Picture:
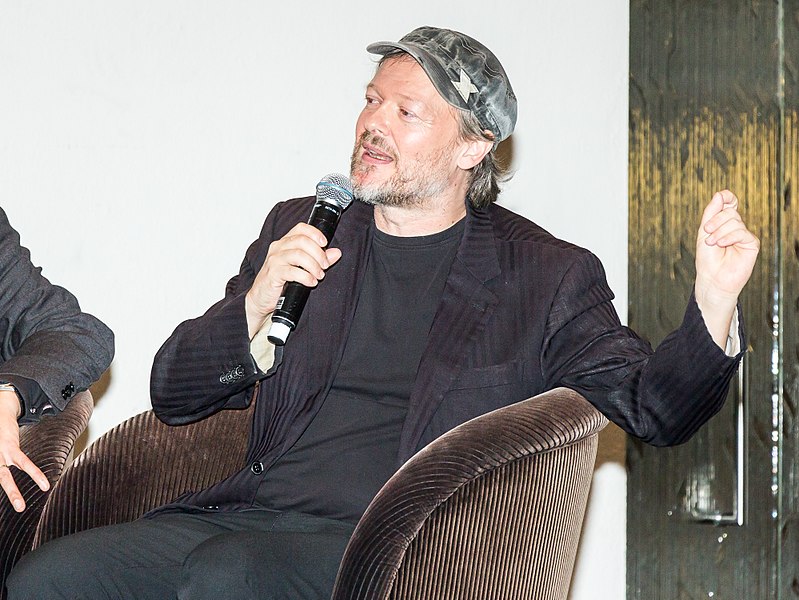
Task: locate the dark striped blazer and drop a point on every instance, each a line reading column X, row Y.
column 522, row 312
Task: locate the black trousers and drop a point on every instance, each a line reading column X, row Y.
column 255, row 553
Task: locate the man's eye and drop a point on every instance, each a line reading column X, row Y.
column 407, row 114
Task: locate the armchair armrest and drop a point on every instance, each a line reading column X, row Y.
column 140, row 464
column 48, row 444
column 491, row 509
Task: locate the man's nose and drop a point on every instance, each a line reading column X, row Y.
column 378, row 122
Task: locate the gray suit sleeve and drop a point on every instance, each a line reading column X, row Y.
column 49, row 349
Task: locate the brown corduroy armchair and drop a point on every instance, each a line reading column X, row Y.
column 48, row 444
column 491, row 509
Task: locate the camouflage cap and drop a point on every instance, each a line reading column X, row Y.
column 465, row 73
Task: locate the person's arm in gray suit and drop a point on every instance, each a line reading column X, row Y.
column 49, row 350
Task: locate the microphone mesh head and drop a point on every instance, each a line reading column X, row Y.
column 335, row 188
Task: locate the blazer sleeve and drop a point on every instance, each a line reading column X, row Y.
column 662, row 397
column 206, row 364
column 50, row 349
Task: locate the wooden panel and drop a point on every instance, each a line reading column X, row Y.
column 704, row 115
column 789, row 574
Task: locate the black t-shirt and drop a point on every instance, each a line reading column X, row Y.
column 350, row 448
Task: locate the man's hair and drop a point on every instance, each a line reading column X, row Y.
column 489, row 173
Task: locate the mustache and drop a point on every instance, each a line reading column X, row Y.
column 376, row 142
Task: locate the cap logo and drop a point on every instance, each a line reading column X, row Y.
column 465, row 86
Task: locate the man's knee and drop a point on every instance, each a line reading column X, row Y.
column 105, row 562
column 223, row 567
column 270, row 566
column 47, row 572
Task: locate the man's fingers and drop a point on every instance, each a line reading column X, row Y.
column 730, row 200
column 723, row 229
column 10, row 488
column 727, row 228
column 739, row 236
column 314, row 260
column 309, row 231
column 720, row 202
column 299, row 251
column 333, row 254
column 27, row 465
column 711, row 210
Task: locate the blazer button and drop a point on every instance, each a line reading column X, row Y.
column 68, row 391
column 257, row 467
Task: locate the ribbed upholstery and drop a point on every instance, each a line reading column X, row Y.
column 141, row 464
column 492, row 509
column 48, row 444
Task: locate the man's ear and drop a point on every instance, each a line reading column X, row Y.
column 474, row 152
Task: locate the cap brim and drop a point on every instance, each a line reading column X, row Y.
column 435, row 71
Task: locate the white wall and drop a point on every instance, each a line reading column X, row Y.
column 143, row 141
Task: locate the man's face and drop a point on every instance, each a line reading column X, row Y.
column 407, row 144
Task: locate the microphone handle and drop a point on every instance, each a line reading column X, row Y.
column 324, row 217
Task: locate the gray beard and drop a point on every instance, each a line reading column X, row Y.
column 391, row 194
column 405, row 190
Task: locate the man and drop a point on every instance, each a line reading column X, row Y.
column 433, row 306
column 49, row 350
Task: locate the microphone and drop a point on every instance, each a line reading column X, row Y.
column 333, row 195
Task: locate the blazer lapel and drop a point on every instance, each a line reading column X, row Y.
column 465, row 307
column 329, row 320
